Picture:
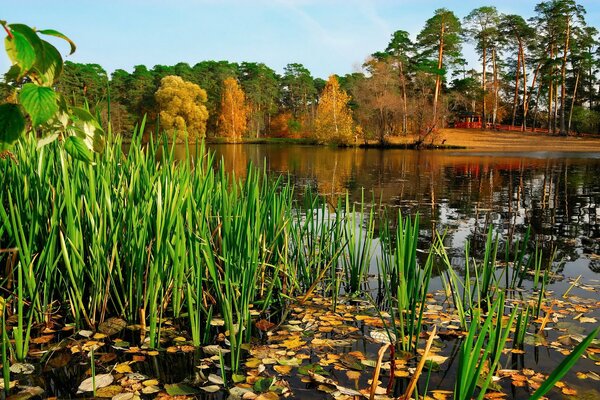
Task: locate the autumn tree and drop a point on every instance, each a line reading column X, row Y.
column 333, row 122
column 182, row 106
column 440, row 38
column 234, row 111
column 379, row 98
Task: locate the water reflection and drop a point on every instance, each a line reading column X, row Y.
column 557, row 194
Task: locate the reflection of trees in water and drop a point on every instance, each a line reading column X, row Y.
column 463, row 193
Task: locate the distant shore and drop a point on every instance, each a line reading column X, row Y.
column 504, row 141
column 455, row 139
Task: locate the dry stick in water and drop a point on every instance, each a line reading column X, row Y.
column 413, row 381
column 547, row 317
column 382, row 351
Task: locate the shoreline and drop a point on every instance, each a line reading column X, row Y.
column 467, row 140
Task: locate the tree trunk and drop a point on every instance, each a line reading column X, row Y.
column 524, row 65
column 404, row 107
column 563, row 85
column 517, row 81
column 550, row 93
column 527, row 102
column 495, row 109
column 438, row 79
column 483, row 85
column 573, row 100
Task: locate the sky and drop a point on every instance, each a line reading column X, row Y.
column 327, row 36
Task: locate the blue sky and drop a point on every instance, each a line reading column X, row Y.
column 327, row 36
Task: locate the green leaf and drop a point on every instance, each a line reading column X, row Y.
column 88, row 127
column 52, row 32
column 29, row 34
column 40, row 102
column 179, row 389
column 77, row 148
column 46, row 140
column 262, row 384
column 20, row 51
column 48, row 66
column 12, row 123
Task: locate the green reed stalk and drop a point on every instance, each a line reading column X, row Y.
column 5, row 350
column 480, row 345
column 358, row 252
column 405, row 284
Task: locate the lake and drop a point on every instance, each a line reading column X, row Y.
column 460, row 192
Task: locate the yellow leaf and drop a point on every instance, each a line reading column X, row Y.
column 294, row 343
column 282, row 369
column 123, row 368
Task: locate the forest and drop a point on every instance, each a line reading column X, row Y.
column 539, row 72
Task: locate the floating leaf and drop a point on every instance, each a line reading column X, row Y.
column 282, row 369
column 264, row 325
column 214, row 349
column 109, row 391
column 180, row 389
column 216, row 379
column 126, row 396
column 123, row 368
column 27, row 393
column 263, row 384
column 112, row 326
column 101, row 381
column 211, row 388
column 22, row 368
column 293, row 343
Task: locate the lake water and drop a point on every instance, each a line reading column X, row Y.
column 557, row 195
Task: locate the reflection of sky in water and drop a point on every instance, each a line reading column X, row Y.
column 556, row 193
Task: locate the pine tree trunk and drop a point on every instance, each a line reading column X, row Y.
column 517, row 81
column 563, row 86
column 404, row 106
column 495, row 109
column 483, row 85
column 524, row 66
column 438, row 80
column 573, row 100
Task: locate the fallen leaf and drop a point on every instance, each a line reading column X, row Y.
column 109, row 391
column 22, row 368
column 282, row 369
column 101, row 381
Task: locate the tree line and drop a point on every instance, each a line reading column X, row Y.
column 539, row 72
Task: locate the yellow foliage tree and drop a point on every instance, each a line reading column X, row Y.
column 334, row 119
column 181, row 106
column 234, row 111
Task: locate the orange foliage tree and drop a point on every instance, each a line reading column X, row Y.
column 181, row 106
column 234, row 111
column 334, row 119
